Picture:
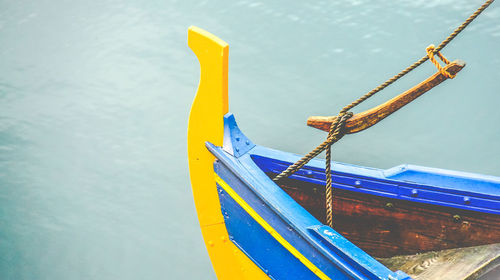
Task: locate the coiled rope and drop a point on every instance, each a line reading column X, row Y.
column 336, row 131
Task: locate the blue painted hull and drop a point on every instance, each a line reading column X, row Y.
column 287, row 242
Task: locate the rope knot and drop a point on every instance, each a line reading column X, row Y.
column 431, row 50
column 337, row 128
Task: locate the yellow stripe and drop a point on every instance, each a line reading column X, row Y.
column 270, row 229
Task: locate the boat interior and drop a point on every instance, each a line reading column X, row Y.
column 416, row 219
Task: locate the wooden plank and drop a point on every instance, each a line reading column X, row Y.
column 453, row 264
column 364, row 120
column 385, row 227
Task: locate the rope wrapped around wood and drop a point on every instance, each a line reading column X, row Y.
column 430, row 53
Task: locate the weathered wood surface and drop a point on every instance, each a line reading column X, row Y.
column 385, row 227
column 453, row 264
column 364, row 120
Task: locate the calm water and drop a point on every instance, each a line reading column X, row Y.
column 95, row 95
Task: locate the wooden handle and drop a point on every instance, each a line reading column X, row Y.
column 364, row 120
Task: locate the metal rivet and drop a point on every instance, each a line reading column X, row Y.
column 414, row 193
column 309, row 172
column 211, row 243
column 389, row 205
column 247, row 142
column 466, row 200
column 237, row 138
column 456, row 218
column 237, row 149
column 357, row 183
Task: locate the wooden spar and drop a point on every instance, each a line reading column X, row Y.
column 364, row 120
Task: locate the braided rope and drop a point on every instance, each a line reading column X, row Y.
column 430, row 53
column 422, row 60
column 336, row 129
column 334, row 137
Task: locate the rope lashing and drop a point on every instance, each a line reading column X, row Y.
column 331, row 139
column 334, row 130
column 335, row 133
column 430, row 53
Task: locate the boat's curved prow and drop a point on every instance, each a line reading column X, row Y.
column 206, row 123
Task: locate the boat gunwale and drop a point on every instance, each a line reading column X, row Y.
column 300, row 219
column 377, row 175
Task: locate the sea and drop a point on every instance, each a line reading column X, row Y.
column 95, row 98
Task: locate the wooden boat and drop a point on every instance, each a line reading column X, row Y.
column 431, row 223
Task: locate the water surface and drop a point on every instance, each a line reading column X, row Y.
column 95, row 95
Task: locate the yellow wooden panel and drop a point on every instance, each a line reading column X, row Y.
column 206, row 124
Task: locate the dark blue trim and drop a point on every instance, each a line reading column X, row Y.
column 464, row 197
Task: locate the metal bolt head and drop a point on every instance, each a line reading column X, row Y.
column 414, row 193
column 466, row 200
column 456, row 218
column 389, row 206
